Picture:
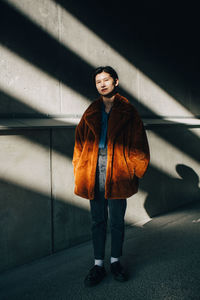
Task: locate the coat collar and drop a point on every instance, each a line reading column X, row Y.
column 121, row 112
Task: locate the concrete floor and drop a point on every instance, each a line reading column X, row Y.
column 162, row 258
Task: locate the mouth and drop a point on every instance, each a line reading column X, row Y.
column 104, row 90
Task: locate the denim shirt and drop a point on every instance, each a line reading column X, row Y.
column 104, row 127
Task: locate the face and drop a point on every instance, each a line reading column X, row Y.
column 105, row 84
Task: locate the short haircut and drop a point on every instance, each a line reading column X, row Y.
column 106, row 69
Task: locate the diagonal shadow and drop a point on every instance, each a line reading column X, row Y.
column 51, row 219
column 155, row 38
column 182, row 143
column 171, row 192
column 177, row 134
column 61, row 63
column 11, row 107
column 53, row 57
column 29, row 218
column 31, row 42
column 58, row 217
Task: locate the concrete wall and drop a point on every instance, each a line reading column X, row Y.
column 47, row 54
column 25, row 206
column 39, row 214
column 50, row 48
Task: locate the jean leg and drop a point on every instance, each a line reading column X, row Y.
column 99, row 216
column 117, row 209
column 99, row 210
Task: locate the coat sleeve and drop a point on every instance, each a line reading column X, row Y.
column 138, row 147
column 79, row 143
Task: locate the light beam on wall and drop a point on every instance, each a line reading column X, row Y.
column 87, row 45
column 17, row 76
column 169, row 156
column 36, row 89
column 29, row 167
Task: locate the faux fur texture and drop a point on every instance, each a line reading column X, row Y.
column 127, row 150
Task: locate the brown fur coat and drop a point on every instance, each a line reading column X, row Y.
column 127, row 150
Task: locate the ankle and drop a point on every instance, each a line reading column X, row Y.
column 114, row 259
column 98, row 262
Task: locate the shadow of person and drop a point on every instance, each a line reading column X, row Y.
column 166, row 193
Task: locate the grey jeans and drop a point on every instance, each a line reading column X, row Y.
column 99, row 213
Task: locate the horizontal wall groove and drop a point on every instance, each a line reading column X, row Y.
column 70, row 122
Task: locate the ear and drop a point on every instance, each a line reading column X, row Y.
column 116, row 82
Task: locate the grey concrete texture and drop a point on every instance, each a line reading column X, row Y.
column 39, row 212
column 173, row 176
column 71, row 218
column 25, row 209
column 157, row 70
column 161, row 257
column 47, row 54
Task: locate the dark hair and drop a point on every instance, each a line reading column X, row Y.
column 106, row 69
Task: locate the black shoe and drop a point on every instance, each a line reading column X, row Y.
column 95, row 276
column 118, row 272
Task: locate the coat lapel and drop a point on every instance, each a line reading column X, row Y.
column 93, row 117
column 119, row 116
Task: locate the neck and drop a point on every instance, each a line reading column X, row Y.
column 109, row 99
column 108, row 103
